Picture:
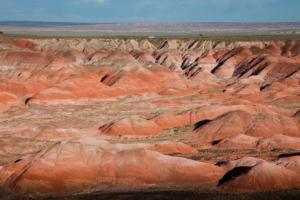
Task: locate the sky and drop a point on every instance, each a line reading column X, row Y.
column 107, row 11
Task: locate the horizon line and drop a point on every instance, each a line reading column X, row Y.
column 192, row 22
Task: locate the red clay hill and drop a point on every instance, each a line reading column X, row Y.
column 84, row 115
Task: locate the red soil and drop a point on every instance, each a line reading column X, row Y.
column 84, row 114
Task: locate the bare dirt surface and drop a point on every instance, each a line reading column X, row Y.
column 82, row 117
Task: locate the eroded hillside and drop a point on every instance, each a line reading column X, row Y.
column 79, row 115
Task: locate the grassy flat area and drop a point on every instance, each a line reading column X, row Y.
column 230, row 37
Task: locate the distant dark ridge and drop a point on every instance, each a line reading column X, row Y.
column 40, row 24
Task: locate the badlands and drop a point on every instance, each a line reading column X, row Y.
column 85, row 115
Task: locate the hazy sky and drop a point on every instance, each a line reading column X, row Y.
column 150, row 10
